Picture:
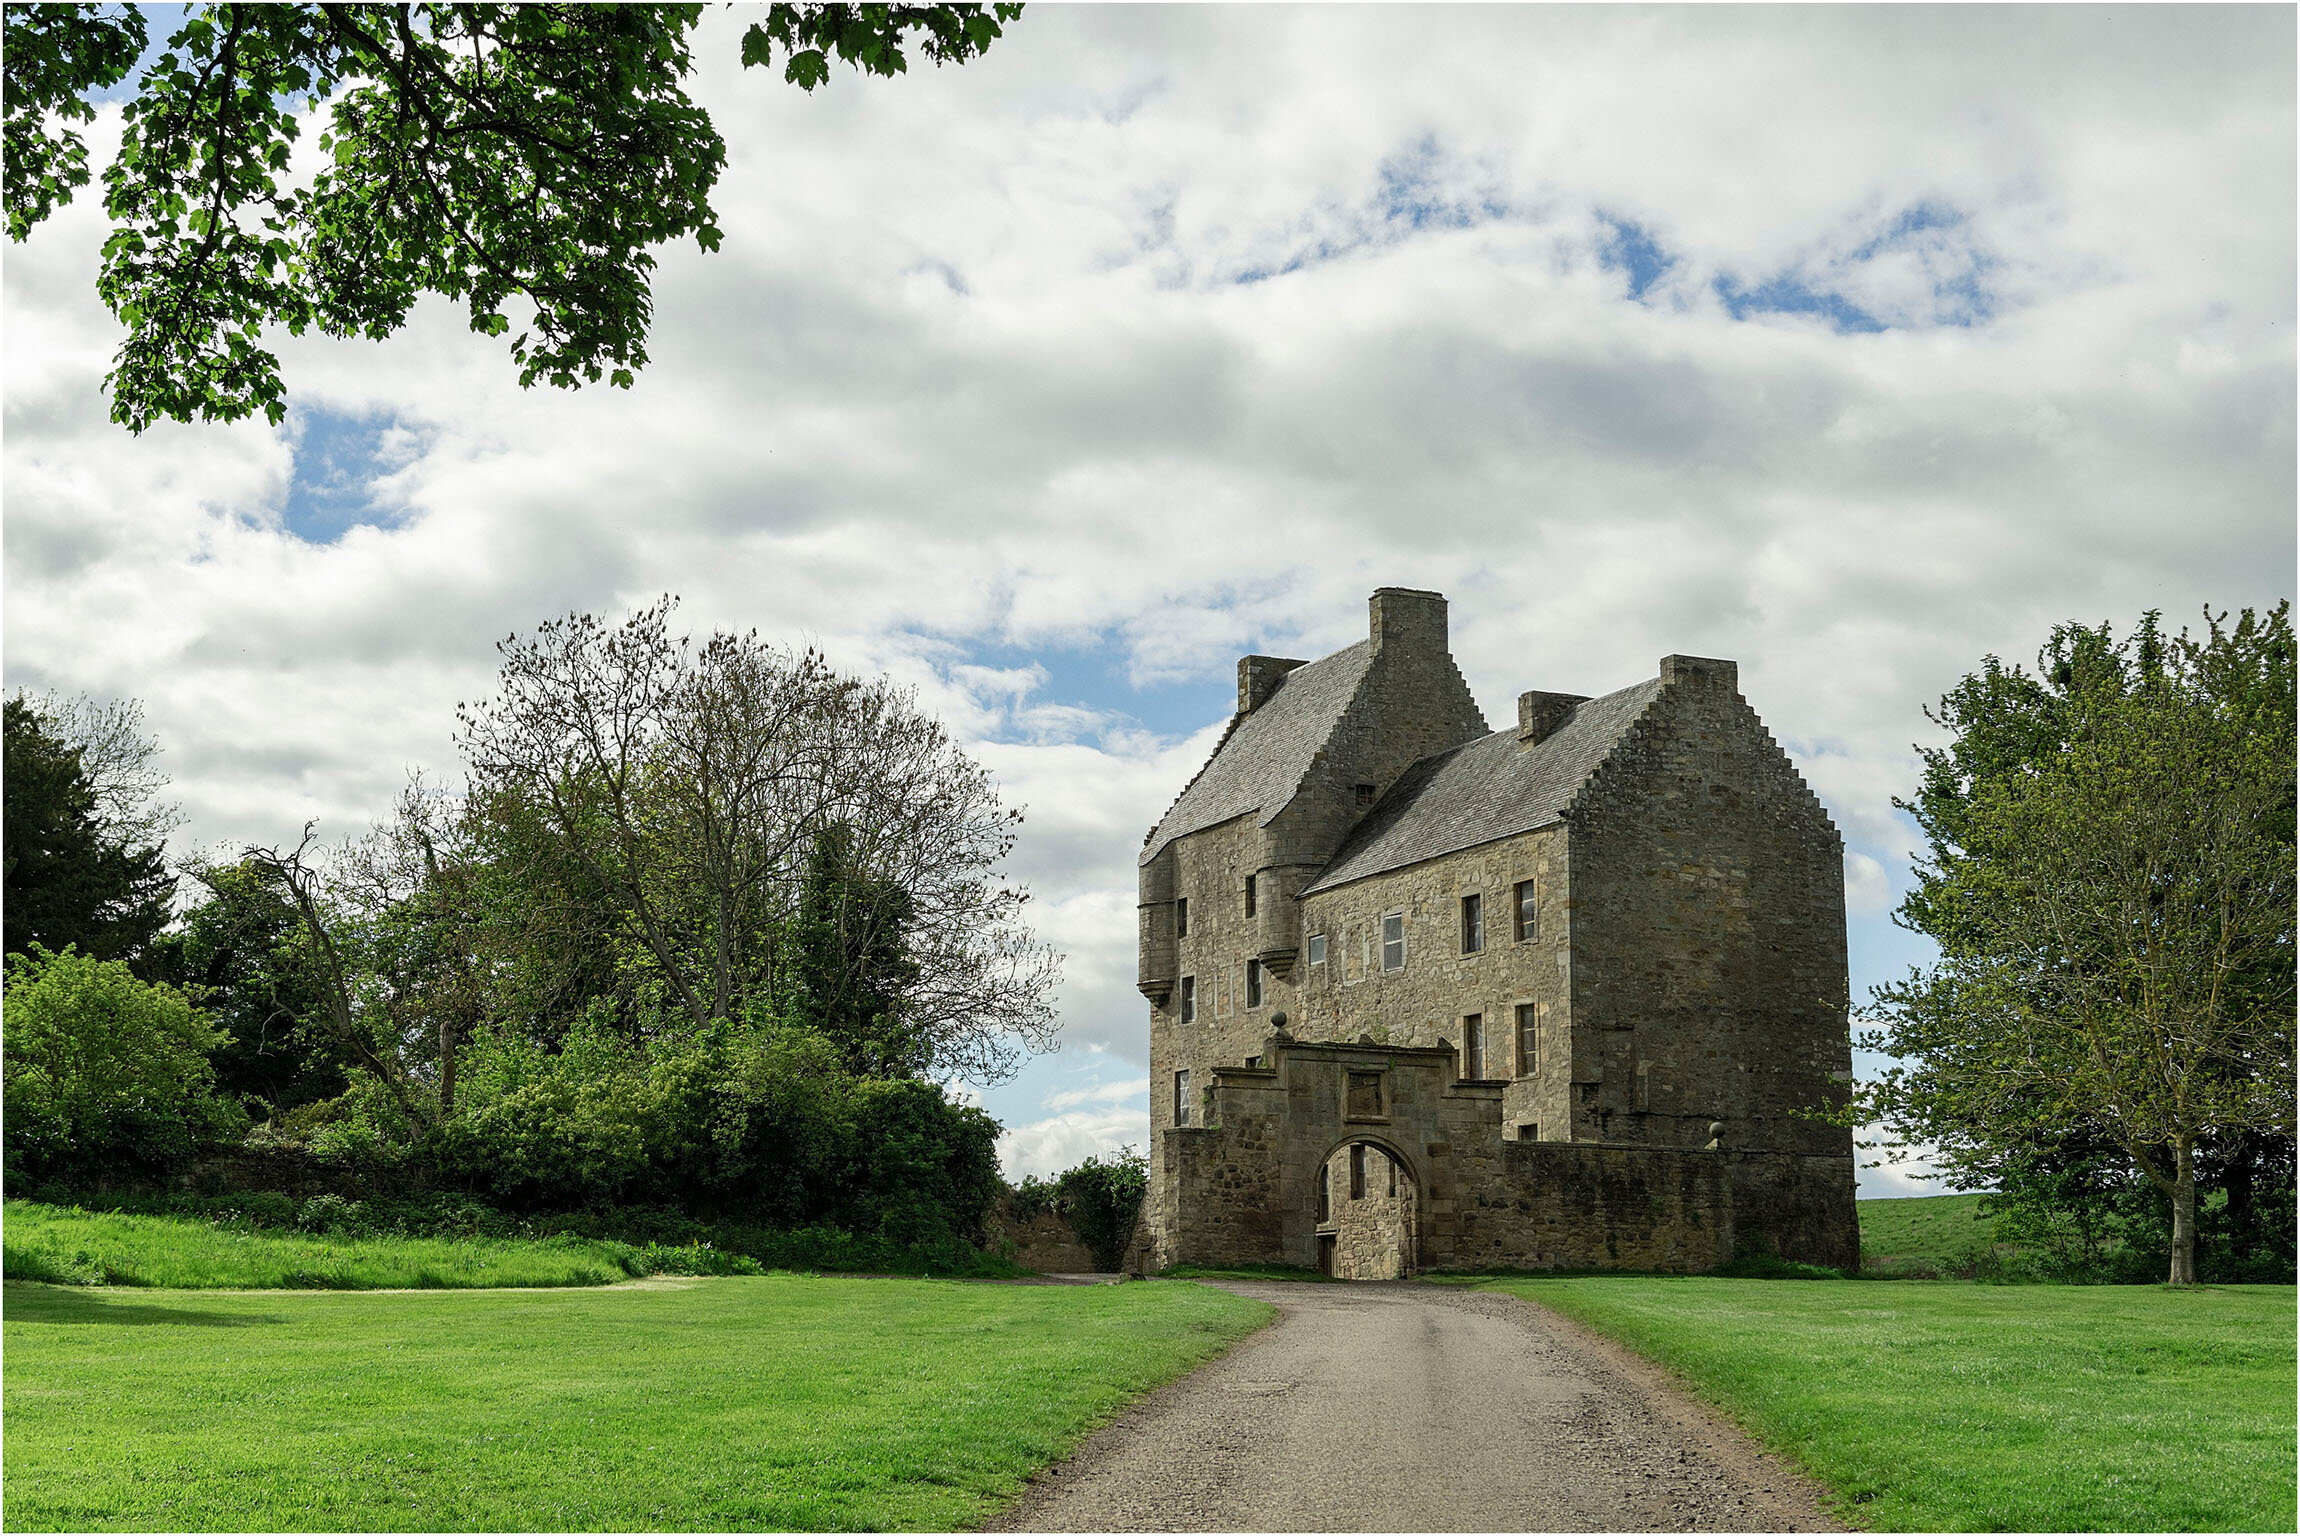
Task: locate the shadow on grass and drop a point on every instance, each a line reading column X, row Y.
column 29, row 1301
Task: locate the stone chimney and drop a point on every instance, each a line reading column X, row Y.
column 1701, row 672
column 1540, row 714
column 1258, row 678
column 1409, row 620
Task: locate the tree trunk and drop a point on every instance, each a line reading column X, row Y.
column 2183, row 1214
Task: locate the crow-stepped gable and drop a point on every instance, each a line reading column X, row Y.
column 1428, row 995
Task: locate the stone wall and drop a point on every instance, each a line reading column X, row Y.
column 1428, row 999
column 1043, row 1242
column 1708, row 934
column 1243, row 1190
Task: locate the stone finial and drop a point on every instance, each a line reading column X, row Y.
column 1409, row 619
column 1540, row 714
column 1258, row 678
column 1701, row 671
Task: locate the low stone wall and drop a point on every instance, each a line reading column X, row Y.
column 1043, row 1242
column 1577, row 1205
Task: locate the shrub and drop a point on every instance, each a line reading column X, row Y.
column 752, row 1121
column 1102, row 1200
column 105, row 1074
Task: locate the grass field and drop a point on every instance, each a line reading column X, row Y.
column 72, row 1247
column 772, row 1403
column 1937, row 1233
column 1987, row 1408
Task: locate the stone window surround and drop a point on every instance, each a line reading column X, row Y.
column 1182, row 1097
column 1472, row 922
column 1473, row 1051
column 1316, row 947
column 1181, row 917
column 1387, row 918
column 1527, row 1014
column 1527, row 919
column 1186, row 1003
column 1255, row 989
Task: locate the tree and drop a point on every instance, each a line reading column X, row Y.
column 120, row 762
column 523, row 159
column 73, row 877
column 2111, row 885
column 242, row 955
column 105, row 1073
column 846, row 957
column 693, row 785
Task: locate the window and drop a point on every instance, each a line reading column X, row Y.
column 1317, row 949
column 1529, row 1131
column 1472, row 924
column 1365, row 1101
column 1182, row 917
column 1325, row 1198
column 1473, row 1046
column 1393, row 1162
column 1253, row 983
column 1365, row 796
column 1357, row 1170
column 1249, row 895
column 1528, row 1038
column 1189, row 999
column 1182, row 1098
column 1528, row 913
column 1394, row 942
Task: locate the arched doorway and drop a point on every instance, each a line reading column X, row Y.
column 1368, row 1213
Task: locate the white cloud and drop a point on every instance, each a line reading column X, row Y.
column 1047, row 1147
column 974, row 373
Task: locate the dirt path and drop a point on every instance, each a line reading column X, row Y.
column 1418, row 1408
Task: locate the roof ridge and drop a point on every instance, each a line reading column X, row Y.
column 1488, row 787
column 1245, row 791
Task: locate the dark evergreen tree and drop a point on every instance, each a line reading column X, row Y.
column 848, row 964
column 66, row 881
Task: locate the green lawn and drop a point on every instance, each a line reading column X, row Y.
column 1987, row 1408
column 1937, row 1233
column 74, row 1247
column 771, row 1403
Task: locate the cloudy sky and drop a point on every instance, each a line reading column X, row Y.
column 1853, row 344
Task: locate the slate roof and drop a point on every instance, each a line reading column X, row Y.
column 1488, row 788
column 1261, row 759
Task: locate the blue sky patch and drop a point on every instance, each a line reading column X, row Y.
column 1786, row 295
column 1095, row 677
column 1632, row 250
column 1416, row 190
column 338, row 459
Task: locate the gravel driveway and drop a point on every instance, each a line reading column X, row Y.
column 1405, row 1407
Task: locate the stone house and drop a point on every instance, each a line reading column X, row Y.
column 1429, row 995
